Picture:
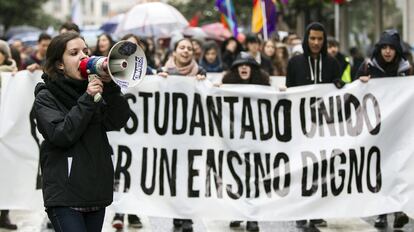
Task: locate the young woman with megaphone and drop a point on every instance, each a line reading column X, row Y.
column 75, row 156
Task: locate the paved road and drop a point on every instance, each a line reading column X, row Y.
column 29, row 221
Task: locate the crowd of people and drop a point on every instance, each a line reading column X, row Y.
column 315, row 59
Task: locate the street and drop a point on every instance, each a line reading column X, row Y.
column 35, row 221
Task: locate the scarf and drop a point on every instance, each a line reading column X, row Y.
column 390, row 68
column 189, row 70
column 211, row 67
column 66, row 90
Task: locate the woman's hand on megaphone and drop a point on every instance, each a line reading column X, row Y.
column 95, row 86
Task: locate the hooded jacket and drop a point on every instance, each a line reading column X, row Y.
column 325, row 68
column 376, row 67
column 75, row 157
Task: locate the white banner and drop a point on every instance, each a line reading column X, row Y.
column 238, row 151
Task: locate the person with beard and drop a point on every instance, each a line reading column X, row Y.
column 387, row 61
column 314, row 66
column 75, row 156
column 246, row 70
column 333, row 50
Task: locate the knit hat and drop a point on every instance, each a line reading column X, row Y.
column 4, row 48
column 244, row 58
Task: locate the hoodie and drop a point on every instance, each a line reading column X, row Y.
column 305, row 70
column 376, row 67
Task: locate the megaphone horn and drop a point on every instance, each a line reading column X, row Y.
column 126, row 64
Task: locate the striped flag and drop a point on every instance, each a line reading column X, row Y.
column 228, row 16
column 264, row 15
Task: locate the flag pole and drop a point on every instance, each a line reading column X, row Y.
column 229, row 16
column 264, row 19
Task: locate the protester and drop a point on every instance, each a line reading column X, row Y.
column 253, row 48
column 245, row 70
column 103, row 45
column 387, row 61
column 230, row 48
column 356, row 59
column 269, row 51
column 314, row 66
column 20, row 47
column 283, row 56
column 210, row 59
column 162, row 53
column 75, row 155
column 182, row 63
column 7, row 64
column 151, row 52
column 69, row 26
column 36, row 60
column 345, row 66
column 198, row 48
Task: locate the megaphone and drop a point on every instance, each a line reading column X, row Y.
column 126, row 64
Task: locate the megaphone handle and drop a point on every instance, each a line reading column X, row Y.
column 97, row 96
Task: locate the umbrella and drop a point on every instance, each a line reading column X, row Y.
column 154, row 19
column 111, row 25
column 29, row 39
column 216, row 31
column 20, row 30
column 195, row 32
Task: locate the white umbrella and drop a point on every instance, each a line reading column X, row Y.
column 195, row 32
column 155, row 19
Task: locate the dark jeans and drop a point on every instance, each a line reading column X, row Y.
column 66, row 219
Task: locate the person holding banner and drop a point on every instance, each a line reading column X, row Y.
column 314, row 66
column 7, row 64
column 182, row 63
column 75, row 155
column 245, row 70
column 387, row 61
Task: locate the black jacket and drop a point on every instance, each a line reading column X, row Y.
column 299, row 71
column 377, row 67
column 75, row 156
column 372, row 68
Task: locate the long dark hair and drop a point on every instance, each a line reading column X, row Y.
column 111, row 43
column 54, row 53
column 257, row 76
